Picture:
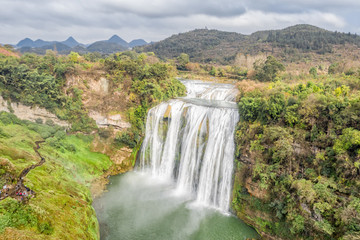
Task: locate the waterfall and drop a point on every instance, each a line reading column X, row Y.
column 190, row 140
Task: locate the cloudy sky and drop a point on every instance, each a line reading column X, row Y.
column 153, row 20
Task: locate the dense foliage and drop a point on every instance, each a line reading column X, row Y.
column 213, row 46
column 35, row 80
column 267, row 71
column 310, row 38
column 41, row 80
column 151, row 82
column 201, row 45
column 302, row 143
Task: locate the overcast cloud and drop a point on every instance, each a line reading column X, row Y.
column 153, row 20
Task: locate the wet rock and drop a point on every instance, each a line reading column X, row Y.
column 167, row 112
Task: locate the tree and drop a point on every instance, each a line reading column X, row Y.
column 266, row 72
column 212, row 71
column 313, row 72
column 182, row 60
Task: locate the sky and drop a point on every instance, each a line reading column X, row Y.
column 153, row 20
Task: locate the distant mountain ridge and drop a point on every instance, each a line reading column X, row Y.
column 214, row 46
column 112, row 45
column 203, row 45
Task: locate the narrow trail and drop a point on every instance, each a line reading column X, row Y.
column 14, row 191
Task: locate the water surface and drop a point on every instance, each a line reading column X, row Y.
column 139, row 206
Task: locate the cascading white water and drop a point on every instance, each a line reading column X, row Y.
column 191, row 140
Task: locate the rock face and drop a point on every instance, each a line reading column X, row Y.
column 100, row 98
column 30, row 113
column 247, row 61
column 111, row 120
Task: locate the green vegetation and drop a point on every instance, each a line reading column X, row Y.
column 34, row 80
column 298, row 140
column 267, row 71
column 61, row 184
column 302, row 141
column 151, row 83
column 41, row 80
column 308, row 38
column 183, row 59
column 289, row 44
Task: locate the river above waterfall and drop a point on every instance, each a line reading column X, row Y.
column 181, row 187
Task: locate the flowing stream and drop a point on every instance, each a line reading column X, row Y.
column 183, row 182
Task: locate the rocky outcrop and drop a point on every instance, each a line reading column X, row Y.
column 121, row 157
column 30, row 113
column 100, row 98
column 110, row 120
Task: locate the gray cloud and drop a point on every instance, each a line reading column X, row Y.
column 90, row 20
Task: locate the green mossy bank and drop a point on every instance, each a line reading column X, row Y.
column 62, row 196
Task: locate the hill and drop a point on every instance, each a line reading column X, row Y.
column 105, row 47
column 118, row 40
column 306, row 38
column 201, row 45
column 204, row 45
column 112, row 45
column 71, row 42
column 137, row 42
column 8, row 51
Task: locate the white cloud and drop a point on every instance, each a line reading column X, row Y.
column 90, row 20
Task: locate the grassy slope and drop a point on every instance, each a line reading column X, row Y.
column 61, row 184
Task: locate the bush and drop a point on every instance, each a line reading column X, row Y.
column 39, row 121
column 125, row 139
column 14, row 214
column 9, row 118
column 2, row 133
column 313, row 72
column 266, row 72
column 104, row 132
column 45, row 228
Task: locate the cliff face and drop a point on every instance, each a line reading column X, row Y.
column 298, row 158
column 105, row 103
column 249, row 198
column 30, row 113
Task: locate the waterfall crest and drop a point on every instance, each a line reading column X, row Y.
column 191, row 140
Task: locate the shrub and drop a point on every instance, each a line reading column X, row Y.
column 266, row 72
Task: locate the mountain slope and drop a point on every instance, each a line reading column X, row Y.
column 118, row 40
column 71, row 42
column 306, row 38
column 27, row 42
column 218, row 46
column 105, row 47
column 137, row 42
column 39, row 43
column 200, row 44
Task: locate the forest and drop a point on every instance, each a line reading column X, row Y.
column 298, row 140
column 213, row 46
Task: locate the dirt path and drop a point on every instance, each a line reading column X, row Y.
column 20, row 191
